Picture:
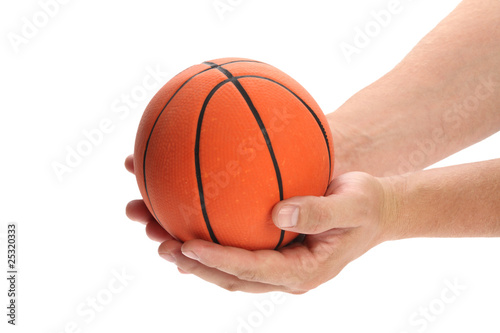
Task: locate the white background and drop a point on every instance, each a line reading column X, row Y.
column 73, row 233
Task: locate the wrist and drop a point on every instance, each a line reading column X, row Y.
column 394, row 222
column 348, row 143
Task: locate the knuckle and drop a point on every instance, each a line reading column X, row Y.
column 306, row 265
column 323, row 252
column 319, row 215
column 305, row 270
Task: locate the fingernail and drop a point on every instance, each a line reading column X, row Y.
column 167, row 257
column 191, row 255
column 288, row 216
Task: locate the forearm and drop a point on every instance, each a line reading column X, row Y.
column 457, row 201
column 443, row 97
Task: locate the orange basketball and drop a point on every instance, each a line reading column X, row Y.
column 224, row 141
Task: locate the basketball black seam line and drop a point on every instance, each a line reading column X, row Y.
column 197, row 147
column 201, row 192
column 151, row 134
column 158, row 117
column 268, row 143
column 315, row 116
column 214, row 65
column 235, row 81
column 263, row 129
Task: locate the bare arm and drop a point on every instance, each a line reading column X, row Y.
column 457, row 201
column 443, row 97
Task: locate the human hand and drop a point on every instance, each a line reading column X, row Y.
column 350, row 219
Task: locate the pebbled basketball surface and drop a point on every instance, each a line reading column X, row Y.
column 221, row 143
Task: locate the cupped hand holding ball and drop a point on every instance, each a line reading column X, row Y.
column 350, row 219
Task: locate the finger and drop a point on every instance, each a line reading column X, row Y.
column 291, row 266
column 182, row 271
column 129, row 163
column 137, row 210
column 171, row 251
column 157, row 233
column 313, row 215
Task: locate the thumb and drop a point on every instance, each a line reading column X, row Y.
column 311, row 215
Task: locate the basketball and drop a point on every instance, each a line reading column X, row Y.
column 221, row 143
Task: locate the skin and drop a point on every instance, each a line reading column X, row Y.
column 443, row 97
